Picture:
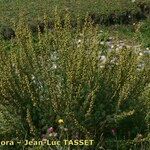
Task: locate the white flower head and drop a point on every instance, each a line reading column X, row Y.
column 79, row 41
column 54, row 56
column 141, row 54
column 101, row 31
column 103, row 59
column 33, row 77
column 112, row 46
column 102, row 43
column 54, row 66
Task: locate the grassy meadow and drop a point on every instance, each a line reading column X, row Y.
column 74, row 75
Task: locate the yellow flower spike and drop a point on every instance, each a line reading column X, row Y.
column 61, row 121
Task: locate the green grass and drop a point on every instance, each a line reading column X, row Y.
column 35, row 9
column 11, row 8
column 145, row 33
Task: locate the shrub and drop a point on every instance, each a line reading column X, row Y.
column 67, row 74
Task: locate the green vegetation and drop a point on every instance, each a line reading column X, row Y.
column 89, row 82
column 10, row 9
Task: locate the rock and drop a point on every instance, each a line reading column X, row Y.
column 112, row 19
column 37, row 26
column 145, row 8
column 41, row 26
column 50, row 25
column 139, row 16
column 97, row 18
column 7, row 33
column 73, row 23
column 33, row 27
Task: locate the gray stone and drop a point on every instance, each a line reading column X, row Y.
column 7, row 33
